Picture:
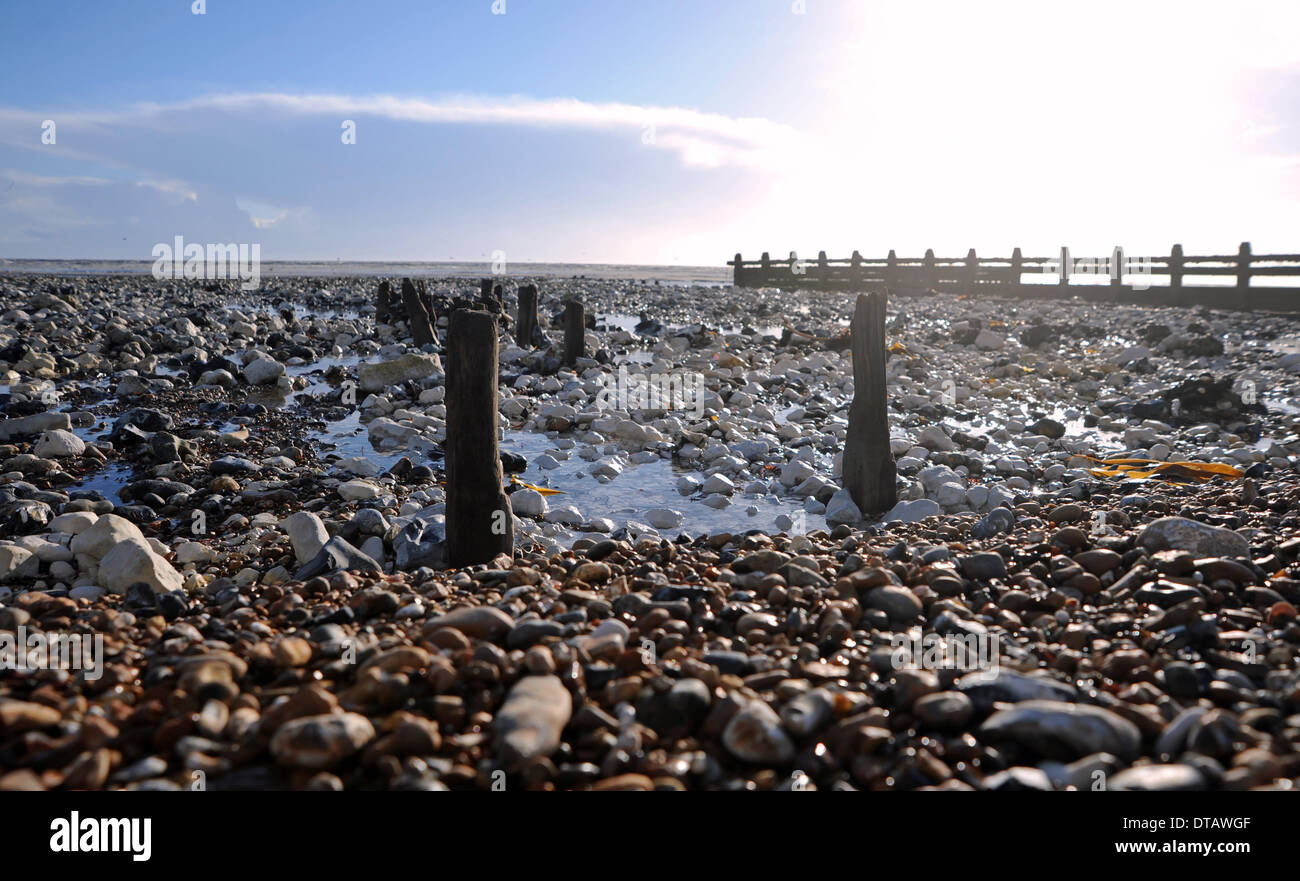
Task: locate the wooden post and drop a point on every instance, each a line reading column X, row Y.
column 931, row 275
column 1017, row 268
column 526, row 319
column 972, row 271
column 1064, row 280
column 1176, row 267
column 1117, row 267
column 479, row 520
column 736, row 277
column 384, row 302
column 417, row 317
column 766, row 272
column 1243, row 267
column 575, row 332
column 823, row 269
column 891, row 270
column 869, row 472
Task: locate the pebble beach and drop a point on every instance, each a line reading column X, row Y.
column 239, row 498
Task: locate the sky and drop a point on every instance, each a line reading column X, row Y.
column 664, row 132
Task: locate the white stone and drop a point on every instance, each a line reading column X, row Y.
column 58, row 444
column 664, row 518
column 719, row 483
column 263, row 370
column 528, row 503
column 307, row 534
column 133, row 560
column 842, row 509
column 359, row 491
column 107, row 531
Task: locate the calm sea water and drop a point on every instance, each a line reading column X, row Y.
column 326, row 269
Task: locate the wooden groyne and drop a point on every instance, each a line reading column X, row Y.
column 1158, row 281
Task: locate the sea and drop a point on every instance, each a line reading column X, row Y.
column 678, row 275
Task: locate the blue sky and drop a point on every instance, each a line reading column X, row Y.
column 646, row 132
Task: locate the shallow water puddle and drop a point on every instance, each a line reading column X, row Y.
column 641, row 488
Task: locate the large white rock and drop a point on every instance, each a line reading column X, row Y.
column 528, row 503
column 16, row 562
column 133, row 560
column 58, row 444
column 719, row 483
column 842, row 509
column 913, row 511
column 106, row 532
column 415, row 365
column 74, row 523
column 935, row 439
column 358, row 490
column 663, row 518
column 307, row 534
column 262, row 370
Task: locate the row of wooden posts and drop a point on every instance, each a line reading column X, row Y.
column 479, row 518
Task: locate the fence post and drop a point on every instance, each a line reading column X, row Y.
column 1176, row 295
column 869, row 472
column 575, row 332
column 419, row 319
column 766, row 263
column 526, row 319
column 891, row 270
column 1017, row 269
column 735, row 273
column 1064, row 280
column 972, row 271
column 480, row 523
column 1243, row 267
column 384, row 302
column 931, row 275
column 1117, row 267
column 823, row 269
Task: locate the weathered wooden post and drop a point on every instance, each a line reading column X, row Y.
column 823, row 270
column 1064, row 280
column 736, row 278
column 479, row 520
column 1117, row 269
column 931, row 273
column 855, row 269
column 575, row 332
column 869, row 472
column 383, row 303
column 1176, row 267
column 417, row 317
column 891, row 270
column 526, row 320
column 1017, row 268
column 765, row 262
column 1243, row 267
column 972, row 271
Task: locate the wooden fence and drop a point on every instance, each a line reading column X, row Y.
column 1160, row 281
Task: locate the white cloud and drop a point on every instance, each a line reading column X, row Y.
column 696, row 137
